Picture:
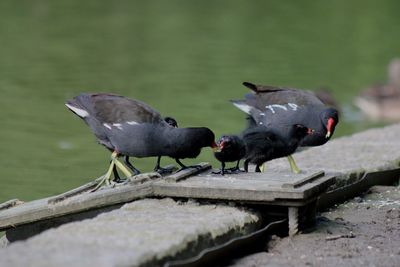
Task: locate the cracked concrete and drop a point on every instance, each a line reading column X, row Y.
column 141, row 233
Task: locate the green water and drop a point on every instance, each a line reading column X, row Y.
column 185, row 58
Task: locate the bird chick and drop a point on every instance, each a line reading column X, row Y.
column 231, row 148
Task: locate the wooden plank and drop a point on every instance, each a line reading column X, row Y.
column 41, row 209
column 81, row 198
column 10, row 203
column 281, row 177
column 207, row 180
column 246, row 190
column 305, row 180
column 183, row 174
column 259, row 188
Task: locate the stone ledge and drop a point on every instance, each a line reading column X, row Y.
column 350, row 157
column 142, row 233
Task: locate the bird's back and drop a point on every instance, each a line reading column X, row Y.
column 113, row 117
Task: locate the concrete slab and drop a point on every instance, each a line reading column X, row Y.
column 351, row 157
column 143, row 233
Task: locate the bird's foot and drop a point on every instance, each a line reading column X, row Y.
column 197, row 167
column 222, row 172
column 119, row 180
column 107, row 180
column 293, row 165
column 164, row 171
column 234, row 170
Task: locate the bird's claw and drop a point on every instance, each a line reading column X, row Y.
column 164, row 171
column 218, row 172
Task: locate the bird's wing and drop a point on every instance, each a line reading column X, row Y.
column 110, row 108
column 272, row 95
column 253, row 112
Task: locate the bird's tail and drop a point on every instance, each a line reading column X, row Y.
column 77, row 107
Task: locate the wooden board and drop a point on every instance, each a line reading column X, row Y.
column 82, row 199
column 283, row 188
column 268, row 187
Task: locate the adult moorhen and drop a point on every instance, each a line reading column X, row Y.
column 264, row 144
column 231, row 148
column 130, row 127
column 278, row 108
column 173, row 123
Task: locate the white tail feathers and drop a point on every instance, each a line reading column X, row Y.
column 242, row 106
column 80, row 112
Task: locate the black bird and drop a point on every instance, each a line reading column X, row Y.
column 277, row 108
column 231, row 148
column 264, row 144
column 129, row 127
column 172, row 122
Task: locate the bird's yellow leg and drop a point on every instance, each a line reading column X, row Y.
column 107, row 177
column 293, row 165
column 119, row 165
column 122, row 167
column 262, row 167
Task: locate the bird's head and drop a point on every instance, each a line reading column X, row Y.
column 330, row 119
column 224, row 142
column 208, row 138
column 171, row 121
column 300, row 131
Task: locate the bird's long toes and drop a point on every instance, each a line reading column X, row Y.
column 218, row 172
column 164, row 171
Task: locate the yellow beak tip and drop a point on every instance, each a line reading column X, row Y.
column 328, row 134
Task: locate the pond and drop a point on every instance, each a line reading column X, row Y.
column 184, row 58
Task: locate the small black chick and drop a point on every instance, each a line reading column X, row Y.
column 264, row 144
column 231, row 148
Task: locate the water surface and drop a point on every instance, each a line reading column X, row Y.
column 185, row 58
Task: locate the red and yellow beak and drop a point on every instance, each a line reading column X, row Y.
column 215, row 147
column 329, row 127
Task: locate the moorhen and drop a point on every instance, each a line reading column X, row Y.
column 172, row 122
column 231, row 148
column 277, row 108
column 264, row 144
column 382, row 101
column 129, row 127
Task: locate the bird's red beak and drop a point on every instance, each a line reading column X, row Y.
column 329, row 127
column 215, row 147
column 310, row 131
column 221, row 145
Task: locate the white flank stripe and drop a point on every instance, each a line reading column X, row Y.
column 270, row 108
column 293, row 106
column 118, row 125
column 78, row 111
column 279, row 106
column 107, row 125
column 132, row 122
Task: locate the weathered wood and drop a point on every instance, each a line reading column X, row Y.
column 183, row 174
column 82, row 199
column 41, row 209
column 293, row 215
column 305, row 180
column 76, row 191
column 10, row 203
column 247, row 187
column 265, row 188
